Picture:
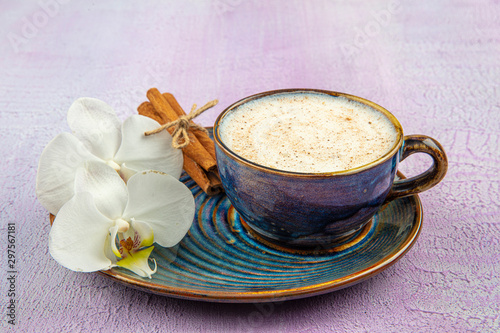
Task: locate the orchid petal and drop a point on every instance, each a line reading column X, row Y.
column 108, row 251
column 112, row 242
column 145, row 233
column 106, row 186
column 57, row 168
column 95, row 123
column 163, row 202
column 77, row 237
column 137, row 262
column 154, row 152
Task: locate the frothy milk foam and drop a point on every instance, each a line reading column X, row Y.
column 307, row 132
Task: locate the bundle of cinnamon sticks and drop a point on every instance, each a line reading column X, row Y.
column 199, row 155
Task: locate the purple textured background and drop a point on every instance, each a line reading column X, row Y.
column 434, row 64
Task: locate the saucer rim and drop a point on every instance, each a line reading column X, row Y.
column 283, row 294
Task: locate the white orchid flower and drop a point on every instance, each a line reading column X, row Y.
column 109, row 223
column 98, row 135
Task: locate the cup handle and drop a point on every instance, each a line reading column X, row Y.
column 420, row 144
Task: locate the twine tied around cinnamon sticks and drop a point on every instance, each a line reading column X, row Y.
column 199, row 155
column 180, row 134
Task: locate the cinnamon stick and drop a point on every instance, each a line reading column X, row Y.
column 147, row 109
column 195, row 149
column 215, row 181
column 209, row 182
column 200, row 135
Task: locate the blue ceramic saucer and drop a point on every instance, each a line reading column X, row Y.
column 220, row 260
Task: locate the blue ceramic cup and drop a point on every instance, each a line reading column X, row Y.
column 311, row 209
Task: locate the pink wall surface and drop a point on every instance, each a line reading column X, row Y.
column 433, row 64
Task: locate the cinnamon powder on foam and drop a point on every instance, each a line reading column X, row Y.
column 307, row 132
